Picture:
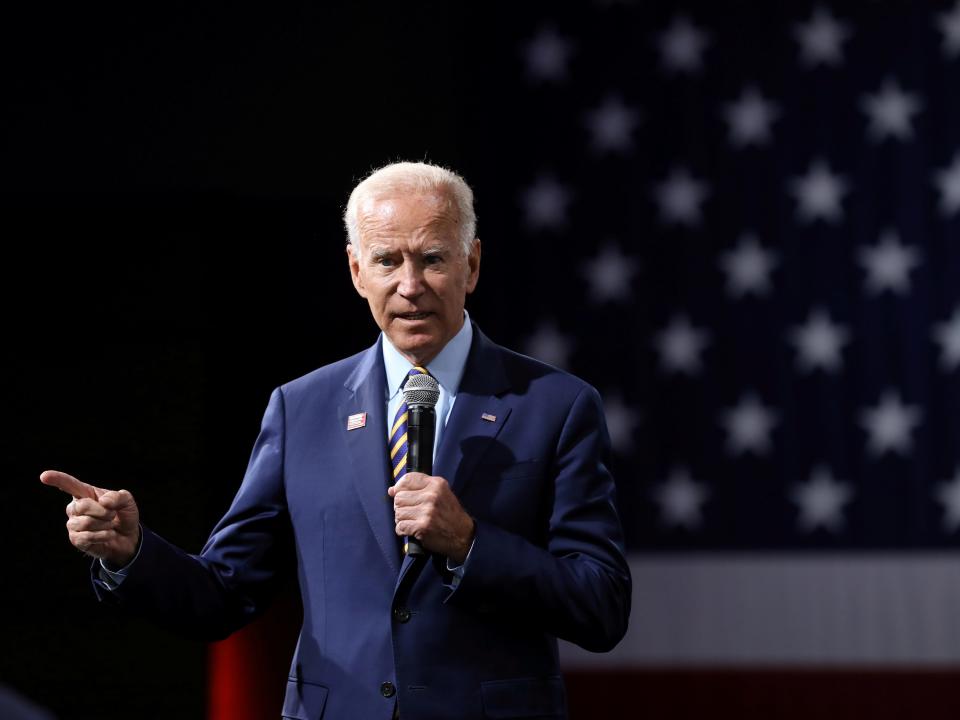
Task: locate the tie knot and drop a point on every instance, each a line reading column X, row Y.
column 415, row 370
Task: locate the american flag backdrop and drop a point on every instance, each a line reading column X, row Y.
column 740, row 222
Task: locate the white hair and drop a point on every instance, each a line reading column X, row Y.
column 413, row 178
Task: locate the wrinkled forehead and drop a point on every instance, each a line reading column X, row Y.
column 387, row 204
column 407, row 212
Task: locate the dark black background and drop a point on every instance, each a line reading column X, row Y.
column 173, row 178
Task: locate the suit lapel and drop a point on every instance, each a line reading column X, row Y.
column 477, row 415
column 367, row 448
column 467, row 436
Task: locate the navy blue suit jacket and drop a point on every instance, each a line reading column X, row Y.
column 524, row 450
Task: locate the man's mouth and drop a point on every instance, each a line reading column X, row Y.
column 414, row 315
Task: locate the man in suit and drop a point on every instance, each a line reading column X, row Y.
column 522, row 537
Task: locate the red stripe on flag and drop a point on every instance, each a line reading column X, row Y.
column 765, row 693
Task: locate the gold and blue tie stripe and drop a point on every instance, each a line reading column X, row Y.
column 398, row 433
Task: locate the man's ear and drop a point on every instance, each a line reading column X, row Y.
column 355, row 272
column 473, row 266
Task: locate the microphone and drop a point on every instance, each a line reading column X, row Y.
column 420, row 393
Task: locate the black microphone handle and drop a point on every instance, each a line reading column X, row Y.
column 421, row 427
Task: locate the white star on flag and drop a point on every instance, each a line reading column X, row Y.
column 609, row 274
column 748, row 267
column 948, row 493
column 748, row 426
column 545, row 204
column 621, row 423
column 749, row 118
column 680, row 345
column 547, row 54
column 949, row 25
column 679, row 198
column 681, row 499
column 888, row 264
column 682, row 45
column 891, row 112
column 948, row 182
column 821, row 39
column 890, row 424
column 549, row 345
column 819, row 343
column 947, row 335
column 612, row 125
column 818, row 194
column 820, row 501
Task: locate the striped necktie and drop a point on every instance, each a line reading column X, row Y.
column 398, row 433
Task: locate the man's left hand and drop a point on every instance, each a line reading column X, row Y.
column 425, row 507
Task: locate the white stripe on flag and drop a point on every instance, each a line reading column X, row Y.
column 786, row 609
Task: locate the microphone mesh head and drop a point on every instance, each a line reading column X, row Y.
column 423, row 390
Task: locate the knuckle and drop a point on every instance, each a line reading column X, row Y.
column 86, row 523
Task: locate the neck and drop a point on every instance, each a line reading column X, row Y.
column 419, row 360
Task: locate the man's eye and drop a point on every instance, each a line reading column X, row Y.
column 385, row 262
column 433, row 259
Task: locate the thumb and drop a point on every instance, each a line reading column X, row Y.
column 117, row 500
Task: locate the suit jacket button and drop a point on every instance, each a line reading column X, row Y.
column 401, row 614
column 387, row 689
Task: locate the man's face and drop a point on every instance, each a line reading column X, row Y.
column 413, row 272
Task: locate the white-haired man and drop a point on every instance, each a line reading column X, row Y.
column 518, row 520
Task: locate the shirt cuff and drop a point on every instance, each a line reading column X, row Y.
column 114, row 578
column 456, row 571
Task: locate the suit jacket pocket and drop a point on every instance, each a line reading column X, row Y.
column 304, row 701
column 542, row 697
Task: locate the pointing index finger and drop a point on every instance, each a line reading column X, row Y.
column 68, row 484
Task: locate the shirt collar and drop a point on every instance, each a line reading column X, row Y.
column 447, row 367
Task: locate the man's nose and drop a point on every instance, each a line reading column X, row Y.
column 411, row 280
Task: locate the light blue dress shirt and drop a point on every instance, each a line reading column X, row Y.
column 447, row 368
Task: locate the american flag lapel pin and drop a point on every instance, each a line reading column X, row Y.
column 356, row 421
column 488, row 417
